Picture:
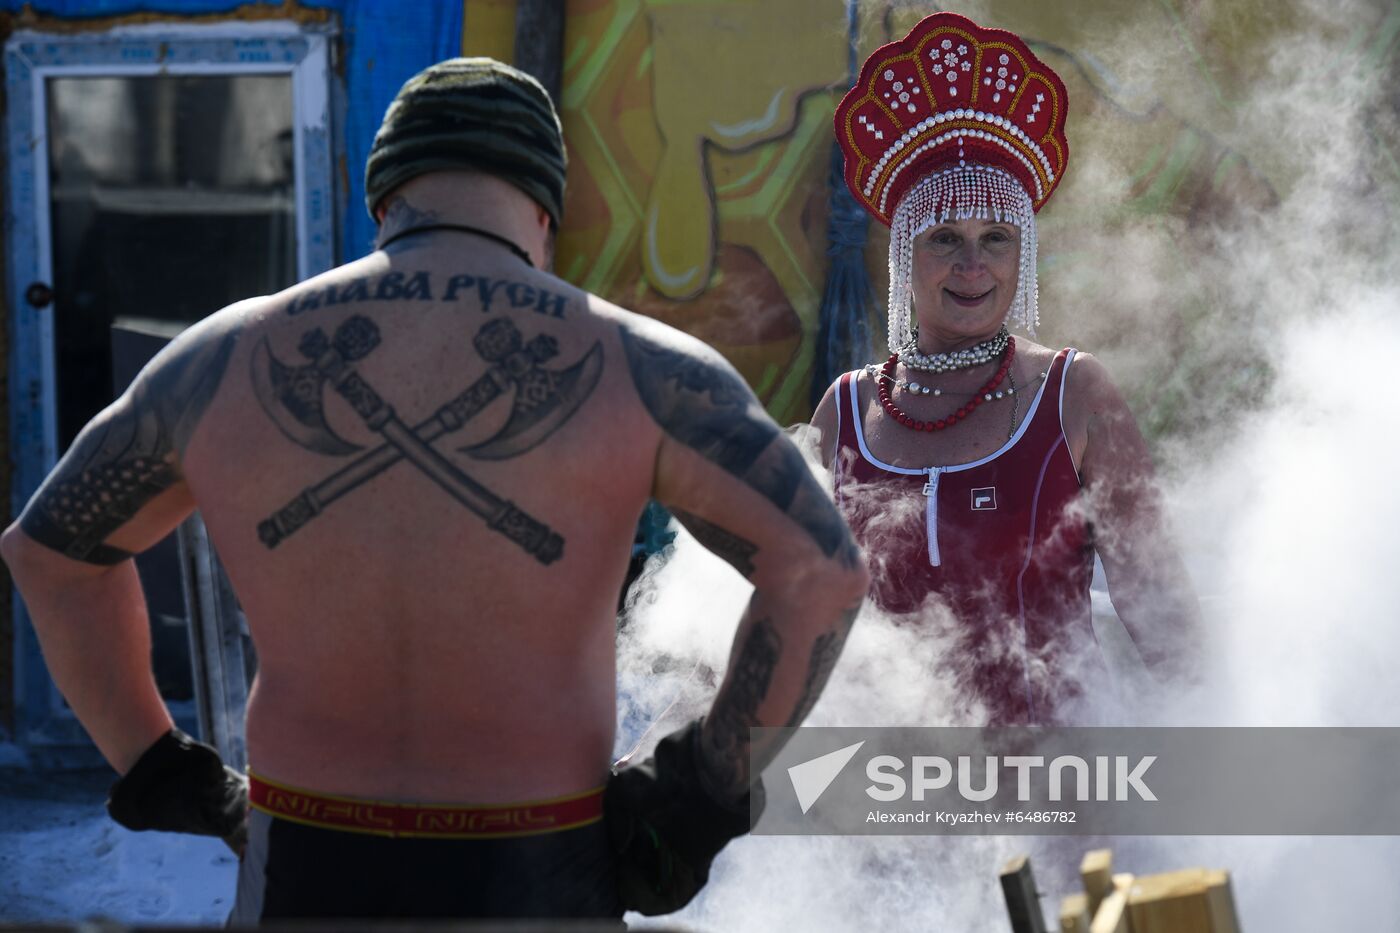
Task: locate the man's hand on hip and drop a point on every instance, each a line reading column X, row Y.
column 182, row 786
column 666, row 829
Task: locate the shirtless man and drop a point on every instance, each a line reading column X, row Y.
column 422, row 471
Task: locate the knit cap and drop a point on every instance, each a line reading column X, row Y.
column 471, row 113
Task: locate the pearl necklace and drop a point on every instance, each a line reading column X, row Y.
column 966, row 358
column 919, row 388
column 984, row 394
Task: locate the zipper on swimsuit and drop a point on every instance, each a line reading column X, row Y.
column 931, row 514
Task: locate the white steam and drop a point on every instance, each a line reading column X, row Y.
column 1292, row 533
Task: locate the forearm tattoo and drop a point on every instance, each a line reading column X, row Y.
column 709, row 408
column 736, row 708
column 736, row 551
column 127, row 455
column 825, row 652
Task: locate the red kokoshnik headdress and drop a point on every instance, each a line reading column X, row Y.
column 953, row 121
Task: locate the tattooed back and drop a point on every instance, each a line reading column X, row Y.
column 423, row 473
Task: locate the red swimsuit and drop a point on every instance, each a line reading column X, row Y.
column 1001, row 543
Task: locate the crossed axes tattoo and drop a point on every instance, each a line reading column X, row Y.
column 544, row 399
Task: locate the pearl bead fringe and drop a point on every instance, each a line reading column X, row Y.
column 961, row 193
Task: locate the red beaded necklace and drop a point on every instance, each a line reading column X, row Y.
column 984, row 393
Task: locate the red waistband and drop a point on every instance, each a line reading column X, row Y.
column 384, row 818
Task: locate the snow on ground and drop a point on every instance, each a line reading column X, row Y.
column 63, row 859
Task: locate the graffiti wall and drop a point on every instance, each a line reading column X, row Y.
column 699, row 147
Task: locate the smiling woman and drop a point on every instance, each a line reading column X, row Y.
column 980, row 470
column 964, row 278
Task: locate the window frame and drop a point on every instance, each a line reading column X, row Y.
column 31, row 58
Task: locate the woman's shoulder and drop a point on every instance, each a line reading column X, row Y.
column 826, row 417
column 1088, row 381
column 1085, row 374
column 1090, row 396
column 856, row 376
column 1031, row 353
column 832, row 399
column 1028, row 349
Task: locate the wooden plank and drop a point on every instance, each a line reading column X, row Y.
column 1195, row 900
column 1221, row 898
column 1096, row 871
column 1074, row 914
column 1112, row 915
column 1022, row 899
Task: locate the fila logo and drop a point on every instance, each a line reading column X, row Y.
column 985, row 499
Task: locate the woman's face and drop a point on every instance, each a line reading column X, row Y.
column 964, row 279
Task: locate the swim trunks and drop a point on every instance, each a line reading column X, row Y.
column 316, row 855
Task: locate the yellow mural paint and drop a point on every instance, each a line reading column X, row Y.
column 709, row 95
column 488, row 28
column 697, row 180
column 699, row 136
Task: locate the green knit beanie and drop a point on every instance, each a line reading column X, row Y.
column 472, row 113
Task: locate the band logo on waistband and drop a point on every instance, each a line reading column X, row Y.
column 400, row 819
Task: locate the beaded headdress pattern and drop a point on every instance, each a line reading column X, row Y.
column 951, row 122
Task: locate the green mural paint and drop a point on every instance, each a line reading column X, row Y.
column 1178, row 166
column 1201, row 65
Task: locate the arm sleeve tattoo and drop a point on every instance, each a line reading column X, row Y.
column 129, row 454
column 825, row 652
column 736, row 708
column 738, row 552
column 705, row 405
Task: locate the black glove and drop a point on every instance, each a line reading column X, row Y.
column 179, row 785
column 665, row 828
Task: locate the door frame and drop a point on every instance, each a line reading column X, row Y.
column 30, row 59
